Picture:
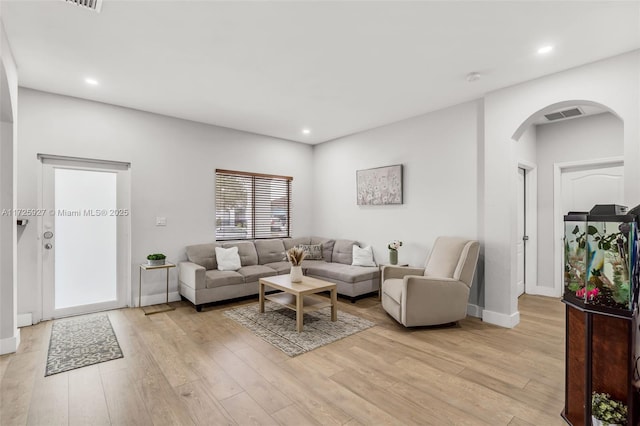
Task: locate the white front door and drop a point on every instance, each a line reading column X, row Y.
column 521, row 234
column 84, row 236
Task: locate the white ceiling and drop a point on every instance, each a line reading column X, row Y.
column 276, row 67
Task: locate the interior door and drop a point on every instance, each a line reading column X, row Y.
column 521, row 234
column 582, row 188
column 84, row 236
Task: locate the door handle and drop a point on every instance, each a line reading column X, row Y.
column 48, row 246
column 525, row 238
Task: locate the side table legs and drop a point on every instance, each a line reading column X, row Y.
column 167, row 307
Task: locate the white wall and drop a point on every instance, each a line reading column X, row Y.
column 585, row 138
column 172, row 175
column 526, row 158
column 439, row 155
column 526, row 149
column 9, row 333
column 614, row 83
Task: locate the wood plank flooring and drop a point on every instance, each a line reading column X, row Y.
column 188, row 368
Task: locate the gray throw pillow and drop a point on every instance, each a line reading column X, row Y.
column 314, row 251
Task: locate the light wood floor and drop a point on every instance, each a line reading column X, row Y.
column 184, row 368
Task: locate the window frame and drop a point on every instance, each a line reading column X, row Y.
column 254, row 195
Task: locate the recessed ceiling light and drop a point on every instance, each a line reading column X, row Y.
column 545, row 49
column 306, row 131
column 91, row 81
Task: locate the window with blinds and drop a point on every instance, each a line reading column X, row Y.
column 252, row 205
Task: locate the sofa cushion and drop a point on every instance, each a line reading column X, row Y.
column 281, row 268
column 343, row 252
column 228, row 259
column 215, row 278
column 254, row 272
column 269, row 251
column 246, row 250
column 363, row 256
column 293, row 242
column 340, row 272
column 314, row 251
column 327, row 247
column 306, row 264
column 203, row 255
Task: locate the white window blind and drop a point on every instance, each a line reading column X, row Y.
column 252, row 205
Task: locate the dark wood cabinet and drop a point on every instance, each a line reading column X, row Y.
column 599, row 357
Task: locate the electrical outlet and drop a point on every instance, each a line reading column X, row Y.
column 161, row 221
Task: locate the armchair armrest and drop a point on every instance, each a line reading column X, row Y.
column 389, row 272
column 192, row 274
column 431, row 300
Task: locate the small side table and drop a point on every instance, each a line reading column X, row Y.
column 146, row 267
column 380, row 266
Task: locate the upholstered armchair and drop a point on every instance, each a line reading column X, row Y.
column 436, row 294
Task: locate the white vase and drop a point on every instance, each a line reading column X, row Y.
column 296, row 274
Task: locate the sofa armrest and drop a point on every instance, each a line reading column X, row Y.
column 192, row 274
column 389, row 272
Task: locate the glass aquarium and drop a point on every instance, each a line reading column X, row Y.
column 601, row 267
column 575, row 256
column 611, row 260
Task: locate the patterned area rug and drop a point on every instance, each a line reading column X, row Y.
column 81, row 341
column 277, row 325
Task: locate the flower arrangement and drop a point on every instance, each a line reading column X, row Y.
column 395, row 245
column 296, row 255
column 607, row 410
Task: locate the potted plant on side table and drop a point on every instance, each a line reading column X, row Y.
column 606, row 411
column 156, row 259
column 393, row 251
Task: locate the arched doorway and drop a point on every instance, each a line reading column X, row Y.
column 506, row 114
column 579, row 162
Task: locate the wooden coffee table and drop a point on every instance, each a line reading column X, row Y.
column 301, row 297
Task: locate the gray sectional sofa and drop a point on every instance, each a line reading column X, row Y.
column 201, row 282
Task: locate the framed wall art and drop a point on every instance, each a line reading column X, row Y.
column 379, row 186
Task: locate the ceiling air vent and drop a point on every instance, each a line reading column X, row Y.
column 95, row 5
column 568, row 113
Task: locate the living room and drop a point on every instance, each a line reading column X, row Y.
column 459, row 164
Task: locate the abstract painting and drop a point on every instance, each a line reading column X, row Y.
column 379, row 186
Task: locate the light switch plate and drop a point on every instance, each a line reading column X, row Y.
column 161, row 221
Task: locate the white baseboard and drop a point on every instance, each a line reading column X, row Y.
column 25, row 320
column 503, row 320
column 474, row 310
column 154, row 299
column 10, row 344
column 539, row 290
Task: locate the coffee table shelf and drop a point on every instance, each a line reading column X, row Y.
column 309, row 303
column 297, row 296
